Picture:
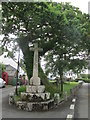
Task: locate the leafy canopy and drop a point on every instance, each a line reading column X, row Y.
column 61, row 29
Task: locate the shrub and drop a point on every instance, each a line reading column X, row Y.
column 83, row 79
column 85, row 76
column 22, row 89
column 17, row 98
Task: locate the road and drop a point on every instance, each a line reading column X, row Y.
column 12, row 112
column 83, row 102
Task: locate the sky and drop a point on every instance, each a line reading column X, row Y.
column 81, row 4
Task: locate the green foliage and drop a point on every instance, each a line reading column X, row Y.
column 86, row 80
column 61, row 29
column 85, row 76
column 22, row 89
column 52, row 81
column 67, row 54
column 52, row 89
column 43, row 77
column 0, row 51
column 2, row 67
column 17, row 98
column 69, row 85
column 11, row 54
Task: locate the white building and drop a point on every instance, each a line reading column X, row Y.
column 11, row 67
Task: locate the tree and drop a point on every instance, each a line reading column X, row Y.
column 2, row 69
column 0, row 50
column 70, row 50
column 59, row 28
column 31, row 22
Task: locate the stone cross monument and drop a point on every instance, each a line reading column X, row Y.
column 35, row 97
column 35, row 80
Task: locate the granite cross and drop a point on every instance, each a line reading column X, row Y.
column 35, row 80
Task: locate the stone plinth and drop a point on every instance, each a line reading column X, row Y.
column 35, row 81
column 35, row 89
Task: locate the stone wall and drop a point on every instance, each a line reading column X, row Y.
column 10, row 80
column 11, row 74
column 10, row 70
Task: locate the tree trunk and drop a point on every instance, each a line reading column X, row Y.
column 28, row 55
column 61, row 79
column 61, row 85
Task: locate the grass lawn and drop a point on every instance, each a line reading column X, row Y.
column 69, row 85
column 52, row 81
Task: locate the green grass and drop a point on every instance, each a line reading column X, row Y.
column 69, row 85
column 17, row 98
column 21, row 89
column 52, row 81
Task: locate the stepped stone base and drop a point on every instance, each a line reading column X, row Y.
column 35, row 98
column 35, row 106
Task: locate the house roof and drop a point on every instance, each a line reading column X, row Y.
column 9, row 61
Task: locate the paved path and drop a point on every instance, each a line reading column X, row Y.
column 12, row 112
column 81, row 108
